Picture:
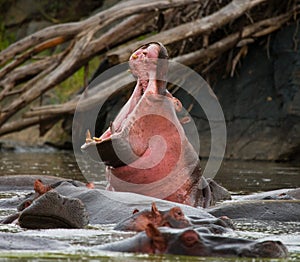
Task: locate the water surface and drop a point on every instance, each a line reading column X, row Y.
column 238, row 177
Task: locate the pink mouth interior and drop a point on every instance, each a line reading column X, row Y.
column 124, row 113
column 141, row 55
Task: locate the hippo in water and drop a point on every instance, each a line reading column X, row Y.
column 102, row 206
column 106, row 207
column 145, row 148
column 190, row 241
column 67, row 204
column 174, row 218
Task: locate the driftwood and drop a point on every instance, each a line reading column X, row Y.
column 22, row 83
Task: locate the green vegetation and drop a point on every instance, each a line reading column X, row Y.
column 5, row 38
column 70, row 86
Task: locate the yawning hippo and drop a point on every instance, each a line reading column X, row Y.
column 145, row 147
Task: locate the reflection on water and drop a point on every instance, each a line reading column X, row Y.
column 238, row 177
column 243, row 177
column 57, row 163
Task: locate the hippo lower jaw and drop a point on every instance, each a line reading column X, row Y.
column 40, row 221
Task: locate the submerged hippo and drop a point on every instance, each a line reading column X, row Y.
column 174, row 218
column 68, row 205
column 193, row 243
column 145, row 147
column 102, row 206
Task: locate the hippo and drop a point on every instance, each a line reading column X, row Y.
column 50, row 210
column 145, row 148
column 66, row 205
column 275, row 210
column 106, row 207
column 174, row 218
column 279, row 205
column 102, row 206
column 13, row 241
column 189, row 241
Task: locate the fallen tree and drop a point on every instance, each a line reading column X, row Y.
column 198, row 31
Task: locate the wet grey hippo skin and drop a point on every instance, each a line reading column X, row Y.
column 15, row 241
column 106, row 207
column 52, row 210
column 277, row 210
column 278, row 205
column 279, row 194
column 190, row 242
column 68, row 206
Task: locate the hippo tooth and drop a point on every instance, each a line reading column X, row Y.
column 184, row 120
column 88, row 138
column 111, row 126
column 134, row 56
column 177, row 104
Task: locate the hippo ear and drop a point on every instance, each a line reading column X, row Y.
column 38, row 186
column 157, row 238
column 154, row 209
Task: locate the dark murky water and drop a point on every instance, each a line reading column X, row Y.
column 239, row 177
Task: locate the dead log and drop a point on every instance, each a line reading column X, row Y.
column 249, row 32
column 82, row 44
column 74, row 59
column 201, row 26
column 100, row 20
column 201, row 56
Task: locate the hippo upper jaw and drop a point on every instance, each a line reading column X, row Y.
column 144, row 65
column 113, row 147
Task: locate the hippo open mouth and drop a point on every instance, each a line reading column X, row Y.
column 145, row 147
column 112, row 146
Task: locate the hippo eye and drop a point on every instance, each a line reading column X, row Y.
column 190, row 238
column 145, row 46
column 178, row 213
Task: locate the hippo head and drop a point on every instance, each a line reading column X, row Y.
column 173, row 217
column 145, row 148
column 193, row 242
